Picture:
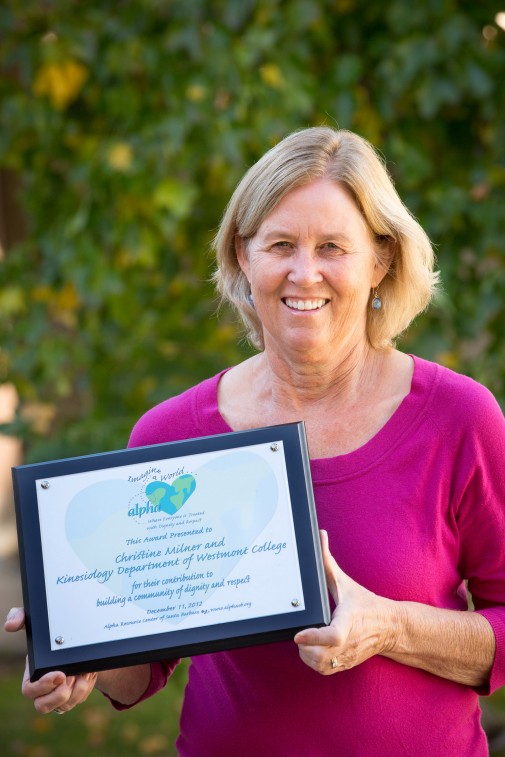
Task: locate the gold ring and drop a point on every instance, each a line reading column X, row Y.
column 334, row 662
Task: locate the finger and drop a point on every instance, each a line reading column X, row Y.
column 323, row 538
column 321, row 659
column 330, row 566
column 15, row 620
column 320, row 637
column 74, row 691
column 57, row 698
column 333, row 571
column 45, row 685
column 82, row 687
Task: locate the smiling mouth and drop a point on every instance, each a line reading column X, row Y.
column 294, row 304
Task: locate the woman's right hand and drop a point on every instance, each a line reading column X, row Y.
column 54, row 692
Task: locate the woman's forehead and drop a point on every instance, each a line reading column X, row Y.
column 321, row 207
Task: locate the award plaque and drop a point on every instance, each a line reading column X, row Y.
column 169, row 550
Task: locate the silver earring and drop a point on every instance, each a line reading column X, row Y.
column 250, row 299
column 376, row 302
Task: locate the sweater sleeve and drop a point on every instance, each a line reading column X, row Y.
column 480, row 513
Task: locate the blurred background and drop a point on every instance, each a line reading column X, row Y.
column 124, row 128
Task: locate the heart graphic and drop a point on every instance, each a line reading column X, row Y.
column 236, row 498
column 171, row 497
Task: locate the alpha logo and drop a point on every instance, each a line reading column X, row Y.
column 164, row 497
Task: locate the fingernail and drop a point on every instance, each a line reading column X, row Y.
column 11, row 614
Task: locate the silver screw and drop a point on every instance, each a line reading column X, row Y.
column 45, row 484
column 60, row 640
column 274, row 447
column 295, row 602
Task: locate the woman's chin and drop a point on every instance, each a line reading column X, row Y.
column 302, row 343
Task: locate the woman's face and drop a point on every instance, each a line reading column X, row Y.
column 311, row 266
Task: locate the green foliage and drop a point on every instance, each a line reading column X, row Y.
column 129, row 125
column 151, row 728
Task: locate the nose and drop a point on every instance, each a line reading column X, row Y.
column 305, row 268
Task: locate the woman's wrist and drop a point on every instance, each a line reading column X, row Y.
column 125, row 685
column 391, row 625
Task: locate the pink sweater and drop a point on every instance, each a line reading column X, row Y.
column 411, row 515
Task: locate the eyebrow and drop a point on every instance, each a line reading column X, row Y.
column 283, row 234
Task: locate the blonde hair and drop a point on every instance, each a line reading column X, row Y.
column 401, row 244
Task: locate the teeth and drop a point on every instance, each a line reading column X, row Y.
column 305, row 304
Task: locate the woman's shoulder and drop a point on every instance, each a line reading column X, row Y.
column 178, row 417
column 456, row 396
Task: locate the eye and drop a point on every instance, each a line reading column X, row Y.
column 282, row 244
column 331, row 247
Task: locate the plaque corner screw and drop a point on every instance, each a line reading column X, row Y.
column 274, row 447
column 295, row 602
column 60, row 640
column 45, row 484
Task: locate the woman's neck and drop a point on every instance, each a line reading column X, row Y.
column 291, row 383
column 343, row 405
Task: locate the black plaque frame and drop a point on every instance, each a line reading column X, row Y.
column 175, row 643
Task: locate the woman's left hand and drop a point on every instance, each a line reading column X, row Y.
column 362, row 624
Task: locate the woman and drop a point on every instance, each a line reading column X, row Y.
column 326, row 267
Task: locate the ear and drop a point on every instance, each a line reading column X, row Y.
column 385, row 252
column 242, row 256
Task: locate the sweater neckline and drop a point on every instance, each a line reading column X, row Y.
column 401, row 424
